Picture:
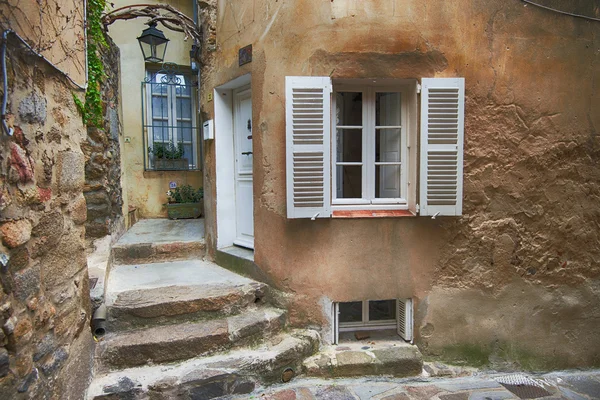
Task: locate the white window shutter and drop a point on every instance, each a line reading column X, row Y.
column 308, row 143
column 404, row 318
column 442, row 137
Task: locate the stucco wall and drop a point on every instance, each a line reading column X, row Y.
column 516, row 278
column 46, row 346
column 146, row 190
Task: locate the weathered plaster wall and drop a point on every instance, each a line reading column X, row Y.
column 517, row 276
column 146, row 190
column 45, row 341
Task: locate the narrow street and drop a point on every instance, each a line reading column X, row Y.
column 572, row 385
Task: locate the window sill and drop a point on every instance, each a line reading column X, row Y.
column 371, row 213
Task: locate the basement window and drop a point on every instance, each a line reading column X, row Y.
column 374, row 315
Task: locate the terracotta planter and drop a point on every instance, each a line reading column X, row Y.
column 185, row 210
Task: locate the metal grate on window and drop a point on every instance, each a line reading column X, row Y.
column 169, row 121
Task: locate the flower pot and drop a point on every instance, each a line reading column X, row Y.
column 185, row 210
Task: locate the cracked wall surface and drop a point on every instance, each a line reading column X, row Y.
column 516, row 278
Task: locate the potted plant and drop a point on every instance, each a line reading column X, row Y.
column 185, row 202
column 168, row 155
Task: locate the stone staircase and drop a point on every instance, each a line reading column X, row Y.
column 182, row 327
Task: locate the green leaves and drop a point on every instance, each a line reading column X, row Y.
column 92, row 111
column 185, row 194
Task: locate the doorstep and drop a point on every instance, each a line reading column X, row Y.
column 241, row 261
column 367, row 357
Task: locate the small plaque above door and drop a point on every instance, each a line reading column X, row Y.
column 245, row 55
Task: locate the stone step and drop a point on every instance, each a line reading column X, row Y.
column 175, row 304
column 399, row 359
column 167, row 343
column 155, row 240
column 237, row 372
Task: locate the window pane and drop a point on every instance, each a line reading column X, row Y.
column 158, row 88
column 184, row 107
column 387, row 181
column 188, row 153
column 184, row 131
column 351, row 312
column 387, row 109
column 160, row 130
column 387, row 145
column 160, row 107
column 381, row 310
column 349, row 145
column 349, row 181
column 348, row 108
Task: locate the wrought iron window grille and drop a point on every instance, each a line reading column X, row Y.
column 170, row 133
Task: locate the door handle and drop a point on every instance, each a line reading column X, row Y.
column 249, row 137
column 246, row 153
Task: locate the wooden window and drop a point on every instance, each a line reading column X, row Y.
column 359, row 153
column 370, row 147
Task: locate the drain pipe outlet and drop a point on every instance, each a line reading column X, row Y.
column 99, row 321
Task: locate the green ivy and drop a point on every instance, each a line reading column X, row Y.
column 92, row 110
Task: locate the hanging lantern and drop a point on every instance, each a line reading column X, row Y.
column 153, row 44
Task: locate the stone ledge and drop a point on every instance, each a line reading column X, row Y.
column 345, row 361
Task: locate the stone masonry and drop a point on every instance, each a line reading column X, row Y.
column 45, row 342
column 102, row 189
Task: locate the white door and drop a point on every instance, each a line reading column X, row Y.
column 244, row 203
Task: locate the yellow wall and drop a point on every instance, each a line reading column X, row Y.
column 146, row 190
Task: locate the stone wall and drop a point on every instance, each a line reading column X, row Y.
column 45, row 340
column 102, row 189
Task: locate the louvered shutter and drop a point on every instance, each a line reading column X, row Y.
column 442, row 137
column 404, row 319
column 308, row 141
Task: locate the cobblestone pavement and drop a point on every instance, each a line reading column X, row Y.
column 572, row 385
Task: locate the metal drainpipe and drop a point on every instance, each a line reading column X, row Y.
column 7, row 130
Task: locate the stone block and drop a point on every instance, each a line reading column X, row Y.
column 21, row 165
column 78, row 210
column 4, row 362
column 55, row 362
column 70, row 171
column 98, row 211
column 334, row 393
column 50, row 225
column 45, row 346
column 28, row 381
column 33, row 109
column 23, row 331
column 399, row 361
column 27, row 282
column 16, row 233
column 19, row 259
column 97, row 197
column 354, row 363
column 63, row 261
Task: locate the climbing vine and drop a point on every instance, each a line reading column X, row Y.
column 92, row 110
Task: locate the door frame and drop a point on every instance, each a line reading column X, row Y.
column 225, row 160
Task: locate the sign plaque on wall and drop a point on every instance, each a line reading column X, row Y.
column 245, row 55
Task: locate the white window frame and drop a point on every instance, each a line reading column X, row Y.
column 366, row 324
column 172, row 117
column 368, row 131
